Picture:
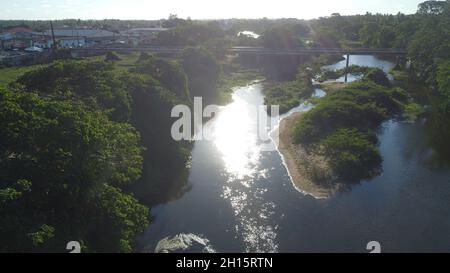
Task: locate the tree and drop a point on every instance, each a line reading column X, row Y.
column 202, row 71
column 301, row 29
column 443, row 78
column 325, row 37
column 173, row 21
column 55, row 158
column 377, row 76
column 280, row 38
column 112, row 57
column 169, row 73
column 351, row 154
column 96, row 83
column 432, row 7
column 115, row 214
column 165, row 159
column 190, row 34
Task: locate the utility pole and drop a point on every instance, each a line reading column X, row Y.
column 53, row 37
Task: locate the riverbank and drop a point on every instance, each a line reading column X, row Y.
column 228, row 81
column 309, row 173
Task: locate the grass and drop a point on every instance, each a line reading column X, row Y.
column 225, row 87
column 127, row 60
column 412, row 110
column 399, row 75
column 10, row 74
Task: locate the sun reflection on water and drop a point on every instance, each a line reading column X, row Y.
column 235, row 135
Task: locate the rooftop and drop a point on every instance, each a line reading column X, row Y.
column 98, row 33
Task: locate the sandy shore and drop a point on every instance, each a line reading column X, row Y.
column 307, row 171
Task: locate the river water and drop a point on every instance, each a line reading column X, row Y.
column 242, row 199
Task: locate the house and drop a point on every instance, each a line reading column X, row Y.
column 16, row 38
column 16, row 43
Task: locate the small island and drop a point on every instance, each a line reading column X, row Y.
column 299, row 162
column 334, row 146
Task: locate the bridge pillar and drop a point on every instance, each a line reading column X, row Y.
column 397, row 61
column 346, row 66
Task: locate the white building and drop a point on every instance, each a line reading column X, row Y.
column 70, row 42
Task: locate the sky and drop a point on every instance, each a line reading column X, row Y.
column 196, row 9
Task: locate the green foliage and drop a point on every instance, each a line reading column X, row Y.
column 116, row 214
column 41, row 236
column 228, row 81
column 377, row 76
column 169, row 73
column 14, row 191
column 189, row 34
column 144, row 57
column 443, row 78
column 11, row 74
column 173, row 21
column 287, row 95
column 202, row 71
column 412, row 110
column 342, row 123
column 61, row 54
column 377, row 35
column 71, row 153
column 325, row 37
column 165, row 158
column 351, row 154
column 280, row 38
column 112, row 57
column 432, row 7
column 218, row 47
column 56, row 155
column 96, row 83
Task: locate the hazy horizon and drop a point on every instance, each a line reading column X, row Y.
column 199, row 10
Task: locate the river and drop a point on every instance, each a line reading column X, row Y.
column 242, row 199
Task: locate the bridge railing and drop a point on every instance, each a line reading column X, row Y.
column 257, row 50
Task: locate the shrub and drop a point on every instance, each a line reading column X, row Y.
column 351, row 154
column 112, row 57
column 377, row 76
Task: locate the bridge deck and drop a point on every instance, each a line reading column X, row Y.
column 256, row 50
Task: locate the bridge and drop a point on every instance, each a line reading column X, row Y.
column 252, row 50
column 257, row 51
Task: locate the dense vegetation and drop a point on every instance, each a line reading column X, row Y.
column 85, row 147
column 342, row 127
column 83, row 150
column 289, row 94
column 203, row 72
column 63, row 169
